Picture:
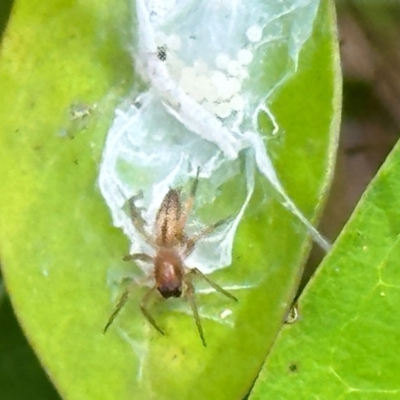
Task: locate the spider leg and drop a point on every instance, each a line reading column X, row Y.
column 195, row 183
column 138, row 256
column 212, row 283
column 188, row 205
column 125, row 295
column 118, row 307
column 143, row 307
column 190, row 297
column 137, row 218
column 191, row 242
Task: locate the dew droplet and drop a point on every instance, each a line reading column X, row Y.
column 222, row 61
column 245, row 57
column 201, row 67
column 254, row 33
column 223, row 110
column 235, row 69
column 218, row 78
column 174, row 42
column 237, row 103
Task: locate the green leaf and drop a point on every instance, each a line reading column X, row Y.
column 64, row 67
column 344, row 344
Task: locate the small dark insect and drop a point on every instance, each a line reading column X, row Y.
column 293, row 368
column 172, row 245
column 162, row 53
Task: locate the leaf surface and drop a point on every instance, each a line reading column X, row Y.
column 64, row 67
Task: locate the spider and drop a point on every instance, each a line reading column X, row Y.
column 172, row 278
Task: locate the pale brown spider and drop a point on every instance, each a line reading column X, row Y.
column 172, row 245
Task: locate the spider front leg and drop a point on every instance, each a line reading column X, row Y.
column 137, row 218
column 212, row 283
column 118, row 307
column 143, row 307
column 191, row 242
column 125, row 296
column 189, row 296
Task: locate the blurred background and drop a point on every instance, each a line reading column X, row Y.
column 369, row 32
